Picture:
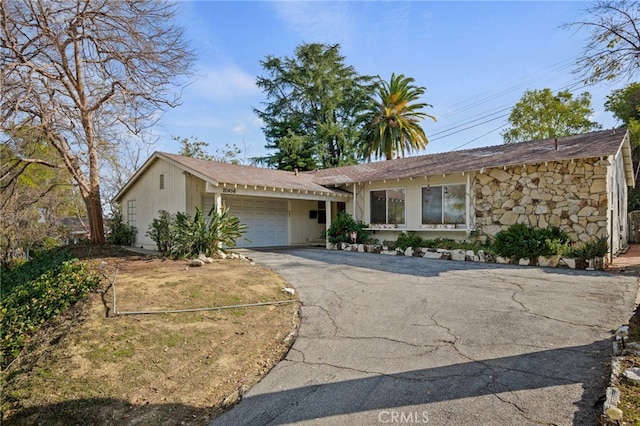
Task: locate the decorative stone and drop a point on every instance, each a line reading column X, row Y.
column 408, row 252
column 508, row 218
column 598, row 186
column 499, row 174
column 587, row 211
column 632, row 375
column 458, row 255
column 432, row 255
column 484, row 179
column 196, row 262
column 567, row 262
column 541, row 209
column 550, row 262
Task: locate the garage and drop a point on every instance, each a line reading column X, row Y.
column 267, row 220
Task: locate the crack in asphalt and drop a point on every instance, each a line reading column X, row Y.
column 328, row 314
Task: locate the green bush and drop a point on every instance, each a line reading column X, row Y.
column 38, row 292
column 521, row 241
column 208, row 236
column 343, row 225
column 409, row 239
column 161, row 231
column 597, row 248
column 122, row 234
column 413, row 240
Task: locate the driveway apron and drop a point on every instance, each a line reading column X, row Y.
column 393, row 340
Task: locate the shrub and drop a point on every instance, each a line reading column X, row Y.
column 208, row 236
column 161, row 231
column 597, row 248
column 409, row 239
column 521, row 241
column 343, row 226
column 37, row 292
column 122, row 234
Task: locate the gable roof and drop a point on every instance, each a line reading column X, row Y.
column 590, row 145
column 223, row 174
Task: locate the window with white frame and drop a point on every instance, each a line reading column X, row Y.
column 131, row 212
column 388, row 206
column 444, row 204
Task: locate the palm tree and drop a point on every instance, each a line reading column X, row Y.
column 391, row 125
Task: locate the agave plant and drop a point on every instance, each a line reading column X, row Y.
column 205, row 235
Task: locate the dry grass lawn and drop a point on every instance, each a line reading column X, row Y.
column 94, row 367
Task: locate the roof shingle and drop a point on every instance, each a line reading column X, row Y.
column 590, row 145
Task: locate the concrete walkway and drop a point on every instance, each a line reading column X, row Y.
column 394, row 339
column 627, row 263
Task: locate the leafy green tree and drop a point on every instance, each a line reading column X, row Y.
column 540, row 115
column 612, row 51
column 625, row 105
column 391, row 124
column 37, row 194
column 313, row 99
column 88, row 75
column 193, row 147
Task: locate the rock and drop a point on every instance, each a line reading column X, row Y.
column 614, row 413
column 289, row 290
column 500, row 175
column 205, row 259
column 623, row 331
column 196, row 262
column 632, row 375
column 551, row 261
column 458, row 255
column 432, row 255
column 408, row 252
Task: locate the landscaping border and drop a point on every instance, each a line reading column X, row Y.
column 599, row 264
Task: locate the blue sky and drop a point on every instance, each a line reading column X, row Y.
column 475, row 59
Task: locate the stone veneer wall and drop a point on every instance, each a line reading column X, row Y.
column 569, row 195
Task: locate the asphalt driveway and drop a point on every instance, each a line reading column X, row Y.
column 393, row 340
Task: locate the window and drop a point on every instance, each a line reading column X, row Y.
column 444, row 204
column 131, row 212
column 322, row 212
column 161, row 181
column 387, row 206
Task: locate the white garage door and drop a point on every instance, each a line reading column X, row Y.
column 266, row 220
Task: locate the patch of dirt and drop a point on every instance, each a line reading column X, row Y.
column 94, row 367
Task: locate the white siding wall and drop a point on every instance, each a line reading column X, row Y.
column 150, row 198
column 617, row 190
column 413, row 205
column 304, row 229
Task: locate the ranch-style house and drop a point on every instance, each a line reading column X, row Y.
column 577, row 183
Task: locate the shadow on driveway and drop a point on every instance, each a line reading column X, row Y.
column 507, row 381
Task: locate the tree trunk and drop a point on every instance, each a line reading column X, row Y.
column 94, row 214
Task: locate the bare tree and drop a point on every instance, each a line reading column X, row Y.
column 612, row 51
column 88, row 74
